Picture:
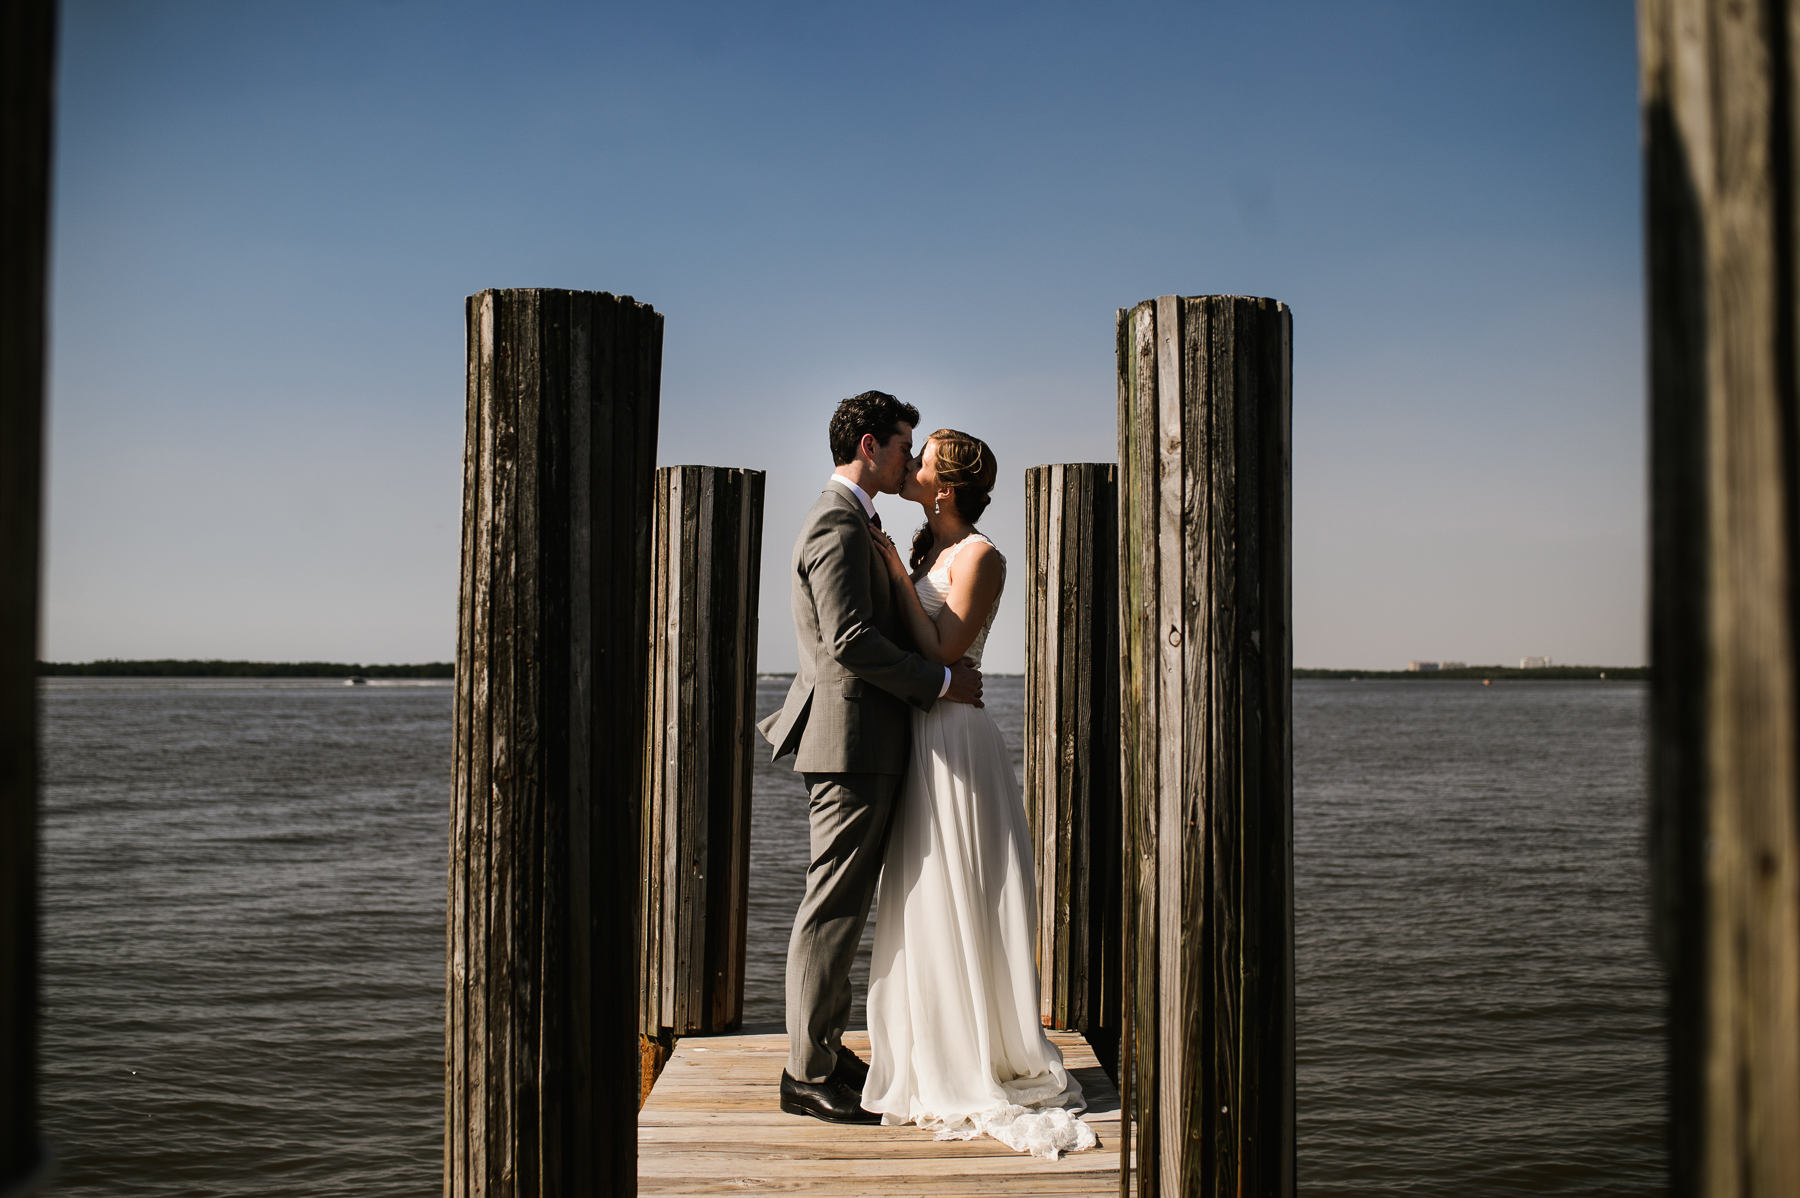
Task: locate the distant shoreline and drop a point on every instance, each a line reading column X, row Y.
column 1492, row 673
column 170, row 668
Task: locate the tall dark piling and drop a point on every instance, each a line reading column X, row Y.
column 1072, row 743
column 707, row 567
column 27, row 59
column 1207, row 1064
column 541, row 1059
column 1718, row 83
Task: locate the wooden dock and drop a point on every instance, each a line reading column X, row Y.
column 712, row 1125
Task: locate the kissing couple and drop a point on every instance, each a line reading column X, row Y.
column 910, row 782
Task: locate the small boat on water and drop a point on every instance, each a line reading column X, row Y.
column 359, row 680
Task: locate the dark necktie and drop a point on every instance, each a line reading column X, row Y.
column 875, row 520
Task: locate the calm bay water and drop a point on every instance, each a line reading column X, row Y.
column 1479, row 1009
column 243, row 940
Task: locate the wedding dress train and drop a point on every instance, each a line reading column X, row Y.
column 957, row 1044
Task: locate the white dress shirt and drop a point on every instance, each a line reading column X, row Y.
column 862, row 496
column 868, row 507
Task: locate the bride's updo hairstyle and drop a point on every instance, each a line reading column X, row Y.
column 966, row 465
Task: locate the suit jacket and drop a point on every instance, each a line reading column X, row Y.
column 846, row 712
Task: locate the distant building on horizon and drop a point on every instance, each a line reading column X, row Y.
column 1453, row 665
column 1416, row 666
column 1534, row 663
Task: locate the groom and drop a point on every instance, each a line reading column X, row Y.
column 846, row 716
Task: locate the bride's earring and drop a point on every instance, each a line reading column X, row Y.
column 937, row 506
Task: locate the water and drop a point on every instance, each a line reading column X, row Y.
column 1478, row 1008
column 243, row 952
column 244, row 936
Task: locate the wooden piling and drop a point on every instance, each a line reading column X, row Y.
column 1072, row 743
column 706, row 565
column 541, row 1059
column 27, row 58
column 1207, row 1064
column 1718, row 87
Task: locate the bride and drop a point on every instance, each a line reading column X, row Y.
column 956, row 1042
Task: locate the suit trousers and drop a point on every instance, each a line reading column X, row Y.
column 850, row 815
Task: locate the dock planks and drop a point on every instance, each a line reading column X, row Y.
column 712, row 1125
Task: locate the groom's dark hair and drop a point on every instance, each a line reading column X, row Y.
column 874, row 412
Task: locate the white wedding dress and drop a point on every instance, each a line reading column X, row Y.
column 956, row 1042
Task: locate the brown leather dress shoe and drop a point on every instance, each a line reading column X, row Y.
column 830, row 1100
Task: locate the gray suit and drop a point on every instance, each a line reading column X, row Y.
column 846, row 719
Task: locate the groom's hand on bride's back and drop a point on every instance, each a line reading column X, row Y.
column 965, row 684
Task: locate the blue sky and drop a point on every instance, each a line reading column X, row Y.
column 267, row 217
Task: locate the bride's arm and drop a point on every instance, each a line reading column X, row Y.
column 924, row 632
column 975, row 578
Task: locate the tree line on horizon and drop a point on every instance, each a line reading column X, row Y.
column 172, row 668
column 1489, row 673
column 213, row 668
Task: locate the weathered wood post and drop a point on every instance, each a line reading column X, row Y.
column 1207, row 1066
column 1720, row 150
column 541, row 1060
column 27, row 58
column 707, row 569
column 1072, row 743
